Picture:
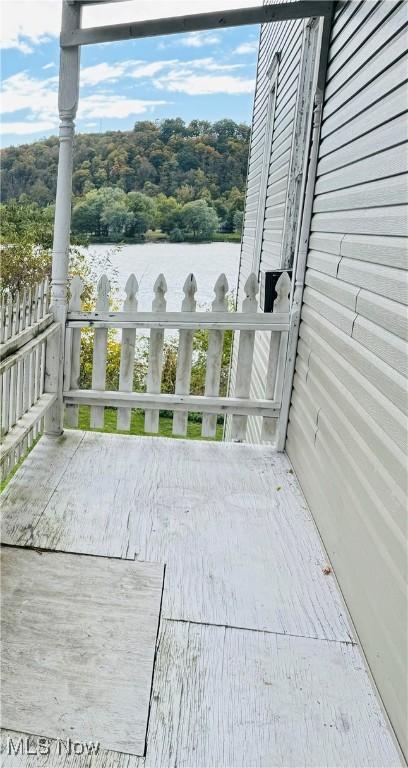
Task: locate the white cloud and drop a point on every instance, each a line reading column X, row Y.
column 102, row 73
column 249, row 47
column 150, row 69
column 20, row 91
column 203, row 85
column 198, row 39
column 108, row 105
column 29, row 22
column 49, row 66
column 26, row 128
column 39, row 97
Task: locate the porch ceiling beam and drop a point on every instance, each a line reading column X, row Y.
column 197, row 22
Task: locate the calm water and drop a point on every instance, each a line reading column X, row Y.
column 176, row 261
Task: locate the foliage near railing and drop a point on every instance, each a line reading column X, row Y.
column 26, row 326
column 188, row 321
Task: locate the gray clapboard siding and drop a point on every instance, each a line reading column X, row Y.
column 365, row 221
column 285, row 38
column 358, row 17
column 386, row 108
column 359, row 101
column 388, row 135
column 368, row 18
column 347, row 429
column 386, row 281
column 390, row 191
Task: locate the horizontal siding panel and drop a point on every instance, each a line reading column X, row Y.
column 354, row 452
column 387, row 314
column 344, row 10
column 391, row 191
column 370, row 221
column 386, row 281
column 390, row 251
column 382, row 343
column 369, row 21
column 339, row 316
column 322, row 468
column 384, row 378
column 323, row 262
column 381, row 412
column 334, row 289
column 383, row 458
column 380, row 51
column 387, row 108
column 374, row 92
column 379, row 166
column 388, row 135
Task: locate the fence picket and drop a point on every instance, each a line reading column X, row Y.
column 127, row 353
column 3, row 311
column 5, row 411
column 154, row 373
column 245, row 358
column 185, row 354
column 214, row 357
column 99, row 352
column 276, row 359
column 73, row 352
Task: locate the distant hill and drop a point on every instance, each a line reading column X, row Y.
column 188, row 162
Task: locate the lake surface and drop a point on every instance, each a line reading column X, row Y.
column 176, row 261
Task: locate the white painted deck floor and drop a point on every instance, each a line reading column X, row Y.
column 256, row 662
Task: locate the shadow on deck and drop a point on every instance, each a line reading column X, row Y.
column 256, row 661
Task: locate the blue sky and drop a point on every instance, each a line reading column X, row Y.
column 206, row 75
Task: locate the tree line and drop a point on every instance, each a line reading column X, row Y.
column 187, row 180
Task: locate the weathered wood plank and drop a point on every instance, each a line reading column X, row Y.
column 214, row 357
column 185, row 355
column 73, row 351
column 277, row 706
column 176, row 403
column 127, row 353
column 68, row 619
column 100, row 352
column 200, row 320
column 161, row 500
column 35, row 756
column 155, row 365
column 245, row 356
column 277, row 357
column 26, row 496
column 21, row 428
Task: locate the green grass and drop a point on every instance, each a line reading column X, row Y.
column 7, row 479
column 137, row 424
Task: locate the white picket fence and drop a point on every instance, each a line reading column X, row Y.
column 26, row 325
column 238, row 404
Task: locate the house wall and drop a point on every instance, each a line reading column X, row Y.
column 285, row 39
column 346, row 435
column 347, row 430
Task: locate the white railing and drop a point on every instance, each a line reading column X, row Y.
column 26, row 325
column 238, row 404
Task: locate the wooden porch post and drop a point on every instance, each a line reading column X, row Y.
column 67, row 107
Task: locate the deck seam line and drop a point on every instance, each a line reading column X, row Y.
column 262, row 631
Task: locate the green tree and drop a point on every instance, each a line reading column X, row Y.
column 143, row 210
column 199, row 220
column 168, row 212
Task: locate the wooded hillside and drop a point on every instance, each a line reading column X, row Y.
column 198, row 160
